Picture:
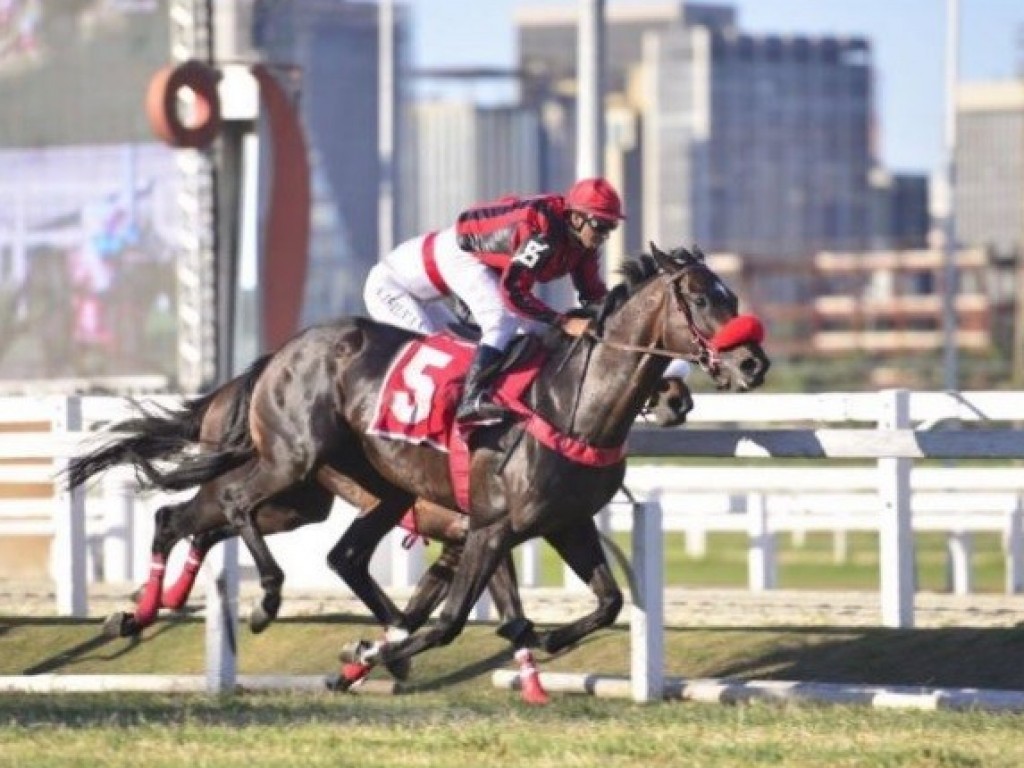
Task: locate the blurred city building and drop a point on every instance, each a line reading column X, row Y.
column 759, row 148
column 333, row 47
column 754, row 144
column 461, row 153
column 990, row 164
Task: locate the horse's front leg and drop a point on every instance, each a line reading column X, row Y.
column 483, row 552
column 580, row 547
column 504, row 589
column 350, row 557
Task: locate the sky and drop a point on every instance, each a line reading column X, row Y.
column 908, row 38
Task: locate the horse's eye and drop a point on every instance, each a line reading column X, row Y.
column 700, row 301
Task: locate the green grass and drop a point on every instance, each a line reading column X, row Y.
column 307, row 731
column 451, row 715
column 811, row 565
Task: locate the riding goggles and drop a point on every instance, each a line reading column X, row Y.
column 601, row 226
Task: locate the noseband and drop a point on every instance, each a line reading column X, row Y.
column 738, row 330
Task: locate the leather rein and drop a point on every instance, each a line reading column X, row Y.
column 706, row 357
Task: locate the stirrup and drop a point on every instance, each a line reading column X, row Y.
column 478, row 412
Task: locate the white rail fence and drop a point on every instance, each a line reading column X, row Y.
column 892, row 428
column 106, row 537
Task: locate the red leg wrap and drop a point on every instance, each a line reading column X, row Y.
column 149, row 603
column 354, row 672
column 177, row 595
column 529, row 679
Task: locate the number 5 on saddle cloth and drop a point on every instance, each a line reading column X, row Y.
column 421, row 391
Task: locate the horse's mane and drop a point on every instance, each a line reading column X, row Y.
column 635, row 273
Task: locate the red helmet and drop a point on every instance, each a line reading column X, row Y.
column 595, row 197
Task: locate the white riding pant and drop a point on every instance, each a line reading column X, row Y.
column 400, row 291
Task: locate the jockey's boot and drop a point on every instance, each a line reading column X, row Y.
column 476, row 407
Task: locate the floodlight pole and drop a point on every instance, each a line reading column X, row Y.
column 386, row 130
column 590, row 94
column 950, row 362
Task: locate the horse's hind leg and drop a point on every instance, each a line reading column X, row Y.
column 436, row 522
column 173, row 523
column 580, row 547
column 432, row 588
column 175, row 596
column 240, row 500
column 298, row 506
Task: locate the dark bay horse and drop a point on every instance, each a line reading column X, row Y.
column 315, row 399
column 214, row 421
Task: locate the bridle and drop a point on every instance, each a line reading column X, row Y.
column 738, row 330
column 707, row 355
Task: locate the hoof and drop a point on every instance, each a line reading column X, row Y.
column 399, row 669
column 352, row 674
column 336, row 683
column 520, row 632
column 551, row 644
column 259, row 620
column 351, row 658
column 121, row 624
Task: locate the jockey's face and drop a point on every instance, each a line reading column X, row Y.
column 591, row 231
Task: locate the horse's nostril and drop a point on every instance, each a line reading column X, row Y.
column 750, row 366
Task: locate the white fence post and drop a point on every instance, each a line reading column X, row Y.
column 407, row 563
column 896, row 537
column 120, row 490
column 483, row 608
column 840, row 546
column 647, row 619
column 222, row 617
column 761, row 565
column 529, row 564
column 1013, row 543
column 69, row 554
column 959, row 548
column 696, row 535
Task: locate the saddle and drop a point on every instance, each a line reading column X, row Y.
column 421, row 391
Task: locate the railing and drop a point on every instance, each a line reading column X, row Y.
column 766, row 501
column 950, row 427
column 696, row 500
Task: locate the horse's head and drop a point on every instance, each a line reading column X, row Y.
column 702, row 321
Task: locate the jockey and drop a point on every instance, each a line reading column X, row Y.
column 491, row 259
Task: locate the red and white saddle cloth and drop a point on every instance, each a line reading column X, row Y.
column 422, row 390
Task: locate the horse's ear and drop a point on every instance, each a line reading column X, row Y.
column 665, row 261
column 698, row 253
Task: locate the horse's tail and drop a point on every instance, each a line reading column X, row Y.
column 164, row 434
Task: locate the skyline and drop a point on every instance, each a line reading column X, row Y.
column 908, row 41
